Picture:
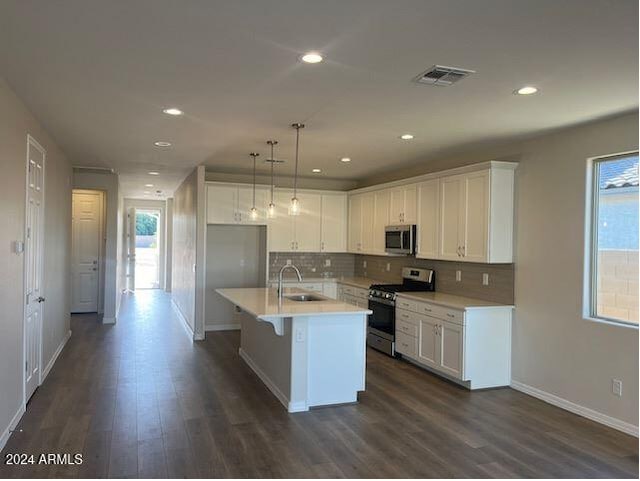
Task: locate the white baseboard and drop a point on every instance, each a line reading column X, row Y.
column 54, row 358
column 291, row 407
column 596, row 416
column 183, row 320
column 12, row 425
column 222, row 327
column 108, row 320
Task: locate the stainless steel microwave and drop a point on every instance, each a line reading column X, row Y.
column 400, row 239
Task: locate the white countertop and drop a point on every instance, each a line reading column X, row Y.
column 263, row 303
column 449, row 300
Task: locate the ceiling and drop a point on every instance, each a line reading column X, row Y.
column 98, row 74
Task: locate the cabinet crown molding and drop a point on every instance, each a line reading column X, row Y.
column 465, row 169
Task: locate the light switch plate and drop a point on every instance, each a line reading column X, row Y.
column 364, row 264
column 388, row 266
column 485, row 279
column 458, row 276
column 327, row 262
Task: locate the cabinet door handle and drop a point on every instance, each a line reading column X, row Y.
column 450, row 315
column 464, row 251
column 427, row 309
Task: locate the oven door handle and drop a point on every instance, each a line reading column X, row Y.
column 386, row 302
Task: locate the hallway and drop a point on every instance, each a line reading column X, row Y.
column 138, row 399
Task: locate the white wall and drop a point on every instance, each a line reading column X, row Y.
column 183, row 279
column 555, row 350
column 15, row 123
column 108, row 183
column 169, row 238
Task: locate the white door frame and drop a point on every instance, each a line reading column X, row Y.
column 32, row 142
column 103, row 241
column 159, row 205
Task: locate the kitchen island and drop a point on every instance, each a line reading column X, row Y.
column 308, row 349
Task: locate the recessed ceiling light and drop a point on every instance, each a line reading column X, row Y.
column 312, row 57
column 527, row 90
column 173, row 111
column 148, row 185
column 153, row 172
column 316, row 171
column 345, row 159
column 406, row 136
column 160, row 143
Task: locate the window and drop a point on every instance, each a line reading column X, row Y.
column 613, row 246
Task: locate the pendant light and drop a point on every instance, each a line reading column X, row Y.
column 253, row 213
column 294, row 209
column 271, row 210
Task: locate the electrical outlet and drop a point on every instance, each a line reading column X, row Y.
column 616, row 387
column 388, row 266
column 313, row 269
column 364, row 264
column 327, row 262
column 288, row 262
column 458, row 276
column 485, row 279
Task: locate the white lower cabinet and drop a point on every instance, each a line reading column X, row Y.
column 470, row 346
column 428, row 348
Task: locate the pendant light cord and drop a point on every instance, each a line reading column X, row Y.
column 272, row 143
column 295, row 175
column 254, row 155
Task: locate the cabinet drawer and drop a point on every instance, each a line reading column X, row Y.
column 440, row 312
column 349, row 299
column 406, row 328
column 355, row 291
column 407, row 316
column 406, row 345
column 406, row 304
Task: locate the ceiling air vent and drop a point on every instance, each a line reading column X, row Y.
column 443, row 76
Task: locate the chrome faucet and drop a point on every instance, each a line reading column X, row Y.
column 284, row 268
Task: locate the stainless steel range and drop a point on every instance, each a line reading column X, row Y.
column 382, row 301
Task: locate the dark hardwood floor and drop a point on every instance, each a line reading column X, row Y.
column 139, row 400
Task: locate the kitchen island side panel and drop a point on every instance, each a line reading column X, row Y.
column 270, row 353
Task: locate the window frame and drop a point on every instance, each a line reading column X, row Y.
column 590, row 298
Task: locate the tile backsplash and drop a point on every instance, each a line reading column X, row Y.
column 499, row 289
column 313, row 265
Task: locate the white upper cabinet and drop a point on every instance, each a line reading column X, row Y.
column 382, row 200
column 307, row 223
column 281, row 233
column 450, row 209
column 231, row 204
column 355, row 223
column 428, row 219
column 476, row 216
column 465, row 216
column 368, row 211
column 333, row 223
column 403, row 205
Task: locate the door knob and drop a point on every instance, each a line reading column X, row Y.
column 40, row 299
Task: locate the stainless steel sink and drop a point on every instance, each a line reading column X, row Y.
column 304, row 297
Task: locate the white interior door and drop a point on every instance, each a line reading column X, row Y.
column 131, row 249
column 86, row 240
column 33, row 266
